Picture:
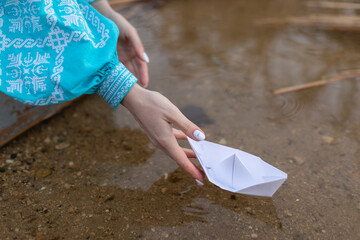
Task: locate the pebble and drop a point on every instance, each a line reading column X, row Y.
column 164, row 190
column 222, row 141
column 43, row 173
column 62, row 146
column 288, row 213
column 9, row 161
column 71, row 164
column 299, row 160
column 254, row 235
column 328, row 139
column 67, row 186
column 47, row 140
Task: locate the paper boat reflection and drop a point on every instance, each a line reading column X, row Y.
column 237, row 171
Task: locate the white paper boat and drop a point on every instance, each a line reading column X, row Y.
column 237, row 171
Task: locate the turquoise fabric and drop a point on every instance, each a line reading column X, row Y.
column 55, row 51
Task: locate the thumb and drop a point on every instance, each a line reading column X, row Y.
column 188, row 127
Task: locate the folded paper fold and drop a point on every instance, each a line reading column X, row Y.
column 237, row 171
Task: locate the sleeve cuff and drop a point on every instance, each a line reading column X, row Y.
column 116, row 85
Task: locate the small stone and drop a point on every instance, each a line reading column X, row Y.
column 299, row 160
column 222, row 141
column 71, row 164
column 43, row 173
column 67, row 186
column 288, row 213
column 323, row 231
column 328, row 139
column 297, row 200
column 13, row 156
column 78, row 174
column 42, row 189
column 166, row 176
column 107, row 210
column 153, row 229
column 254, row 235
column 47, row 140
column 17, row 229
column 62, row 146
column 2, row 169
column 9, row 161
column 164, row 190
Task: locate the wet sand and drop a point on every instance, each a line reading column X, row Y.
column 90, row 173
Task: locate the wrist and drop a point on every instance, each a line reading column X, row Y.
column 132, row 96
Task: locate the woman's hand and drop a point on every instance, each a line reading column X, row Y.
column 129, row 47
column 157, row 115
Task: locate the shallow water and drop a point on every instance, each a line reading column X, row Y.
column 220, row 68
column 213, row 61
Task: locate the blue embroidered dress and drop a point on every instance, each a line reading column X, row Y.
column 52, row 51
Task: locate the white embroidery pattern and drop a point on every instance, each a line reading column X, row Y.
column 72, row 15
column 27, row 70
column 95, row 21
column 116, row 84
column 25, row 15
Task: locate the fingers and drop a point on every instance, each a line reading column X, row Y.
column 142, row 71
column 179, row 155
column 179, row 134
column 186, row 126
column 138, row 46
column 189, row 153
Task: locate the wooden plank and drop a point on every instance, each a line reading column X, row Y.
column 16, row 117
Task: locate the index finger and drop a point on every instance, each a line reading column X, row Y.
column 177, row 153
column 142, row 68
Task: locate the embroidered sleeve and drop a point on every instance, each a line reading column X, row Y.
column 55, row 51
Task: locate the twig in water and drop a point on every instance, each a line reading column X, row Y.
column 315, row 84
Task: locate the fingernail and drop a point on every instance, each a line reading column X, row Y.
column 199, row 135
column 145, row 57
column 199, row 183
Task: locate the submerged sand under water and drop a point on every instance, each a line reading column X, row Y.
column 90, row 173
